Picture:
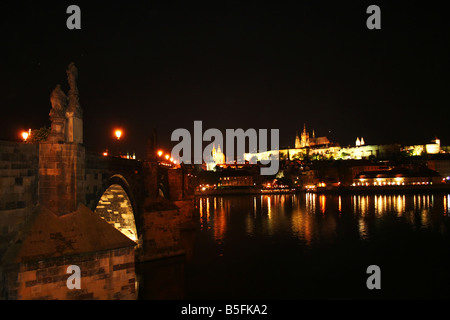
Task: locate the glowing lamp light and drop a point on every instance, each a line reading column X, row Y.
column 118, row 134
column 25, row 136
column 167, row 157
column 160, row 153
column 171, row 159
column 105, row 154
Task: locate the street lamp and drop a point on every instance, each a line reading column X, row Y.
column 25, row 136
column 160, row 153
column 118, row 133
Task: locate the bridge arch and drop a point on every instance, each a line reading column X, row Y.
column 117, row 206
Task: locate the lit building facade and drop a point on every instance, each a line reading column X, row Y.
column 217, row 158
column 359, row 152
column 397, row 177
column 430, row 148
column 235, row 179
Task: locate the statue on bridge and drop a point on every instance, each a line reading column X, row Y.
column 74, row 114
column 58, row 99
column 66, row 114
column 74, row 105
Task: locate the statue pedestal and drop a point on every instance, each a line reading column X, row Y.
column 74, row 129
column 61, row 176
column 57, row 130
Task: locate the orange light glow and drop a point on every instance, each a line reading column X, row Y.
column 25, row 136
column 167, row 157
column 105, row 153
column 160, row 153
column 118, row 134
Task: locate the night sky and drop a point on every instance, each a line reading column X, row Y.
column 162, row 65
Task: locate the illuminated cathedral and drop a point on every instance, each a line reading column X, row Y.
column 306, row 141
column 217, row 158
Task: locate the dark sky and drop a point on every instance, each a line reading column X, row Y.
column 145, row 65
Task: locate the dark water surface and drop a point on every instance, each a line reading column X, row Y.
column 312, row 246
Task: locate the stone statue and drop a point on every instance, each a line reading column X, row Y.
column 72, row 75
column 58, row 100
column 74, row 114
column 66, row 114
column 74, row 106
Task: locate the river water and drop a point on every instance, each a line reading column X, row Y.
column 291, row 246
column 315, row 246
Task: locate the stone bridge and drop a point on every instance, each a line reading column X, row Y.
column 62, row 205
column 63, row 176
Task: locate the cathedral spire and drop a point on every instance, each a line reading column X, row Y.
column 297, row 141
column 305, row 137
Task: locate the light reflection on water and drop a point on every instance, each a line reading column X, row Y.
column 314, row 218
column 312, row 245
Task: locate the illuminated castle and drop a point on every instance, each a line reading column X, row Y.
column 313, row 147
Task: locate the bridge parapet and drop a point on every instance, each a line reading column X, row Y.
column 18, row 187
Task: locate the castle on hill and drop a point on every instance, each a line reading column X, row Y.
column 309, row 146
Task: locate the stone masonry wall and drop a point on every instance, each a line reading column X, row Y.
column 61, row 176
column 104, row 276
column 161, row 238
column 176, row 188
column 179, row 184
column 18, row 187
